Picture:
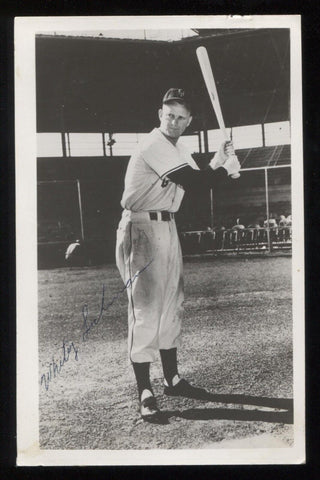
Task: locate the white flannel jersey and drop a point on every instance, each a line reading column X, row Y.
column 147, row 187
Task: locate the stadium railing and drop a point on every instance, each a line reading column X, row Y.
column 234, row 240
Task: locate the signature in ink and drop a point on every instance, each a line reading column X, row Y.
column 88, row 325
column 56, row 365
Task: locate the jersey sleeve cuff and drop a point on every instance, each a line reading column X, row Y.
column 174, row 169
column 220, row 173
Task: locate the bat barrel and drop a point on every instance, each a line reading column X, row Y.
column 208, row 77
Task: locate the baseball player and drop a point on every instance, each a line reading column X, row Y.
column 148, row 248
column 73, row 253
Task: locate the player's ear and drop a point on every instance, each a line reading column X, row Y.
column 189, row 121
column 160, row 114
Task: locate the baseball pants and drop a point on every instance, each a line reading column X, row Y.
column 148, row 252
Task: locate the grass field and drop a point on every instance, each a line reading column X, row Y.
column 237, row 343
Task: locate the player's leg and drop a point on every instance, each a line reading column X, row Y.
column 171, row 317
column 170, row 323
column 146, row 294
column 138, row 269
column 138, row 260
column 148, row 404
column 169, row 364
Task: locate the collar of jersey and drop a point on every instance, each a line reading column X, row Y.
column 161, row 135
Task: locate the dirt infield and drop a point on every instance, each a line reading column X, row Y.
column 237, row 343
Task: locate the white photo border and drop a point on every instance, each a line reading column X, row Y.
column 29, row 452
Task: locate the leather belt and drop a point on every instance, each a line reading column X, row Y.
column 139, row 217
column 163, row 215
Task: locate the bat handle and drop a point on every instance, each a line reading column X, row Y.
column 226, row 137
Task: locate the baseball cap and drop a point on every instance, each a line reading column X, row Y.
column 177, row 95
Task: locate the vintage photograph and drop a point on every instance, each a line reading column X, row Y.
column 167, row 241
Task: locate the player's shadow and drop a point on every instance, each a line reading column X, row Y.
column 285, row 415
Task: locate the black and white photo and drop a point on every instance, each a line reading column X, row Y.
column 159, row 198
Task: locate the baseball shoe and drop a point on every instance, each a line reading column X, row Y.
column 149, row 409
column 184, row 389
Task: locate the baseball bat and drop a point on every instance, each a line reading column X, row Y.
column 207, row 74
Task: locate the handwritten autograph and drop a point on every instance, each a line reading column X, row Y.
column 56, row 365
column 85, row 309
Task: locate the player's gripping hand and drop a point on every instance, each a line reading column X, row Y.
column 226, row 149
column 232, row 165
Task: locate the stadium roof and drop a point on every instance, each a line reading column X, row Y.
column 265, row 156
column 255, row 158
column 156, row 35
column 98, row 84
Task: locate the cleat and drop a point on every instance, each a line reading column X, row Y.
column 184, row 389
column 149, row 409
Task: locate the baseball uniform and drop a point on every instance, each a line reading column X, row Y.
column 148, row 252
column 147, row 236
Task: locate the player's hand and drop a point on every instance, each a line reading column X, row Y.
column 226, row 149
column 232, row 165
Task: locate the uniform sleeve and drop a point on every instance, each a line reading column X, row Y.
column 163, row 158
column 208, row 178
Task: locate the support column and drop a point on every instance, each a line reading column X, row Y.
column 200, row 143
column 263, row 135
column 104, row 145
column 68, row 144
column 267, row 207
column 205, row 140
column 80, row 209
column 211, row 208
column 63, row 133
column 63, row 142
column 110, row 143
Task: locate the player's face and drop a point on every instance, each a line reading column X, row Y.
column 174, row 119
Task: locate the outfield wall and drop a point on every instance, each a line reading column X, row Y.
column 100, row 182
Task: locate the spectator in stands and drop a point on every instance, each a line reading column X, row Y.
column 284, row 230
column 252, row 234
column 218, row 230
column 254, row 224
column 272, row 221
column 289, row 220
column 238, row 225
column 272, row 224
column 237, row 235
column 282, row 221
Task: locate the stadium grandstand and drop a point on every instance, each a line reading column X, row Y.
column 98, row 93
